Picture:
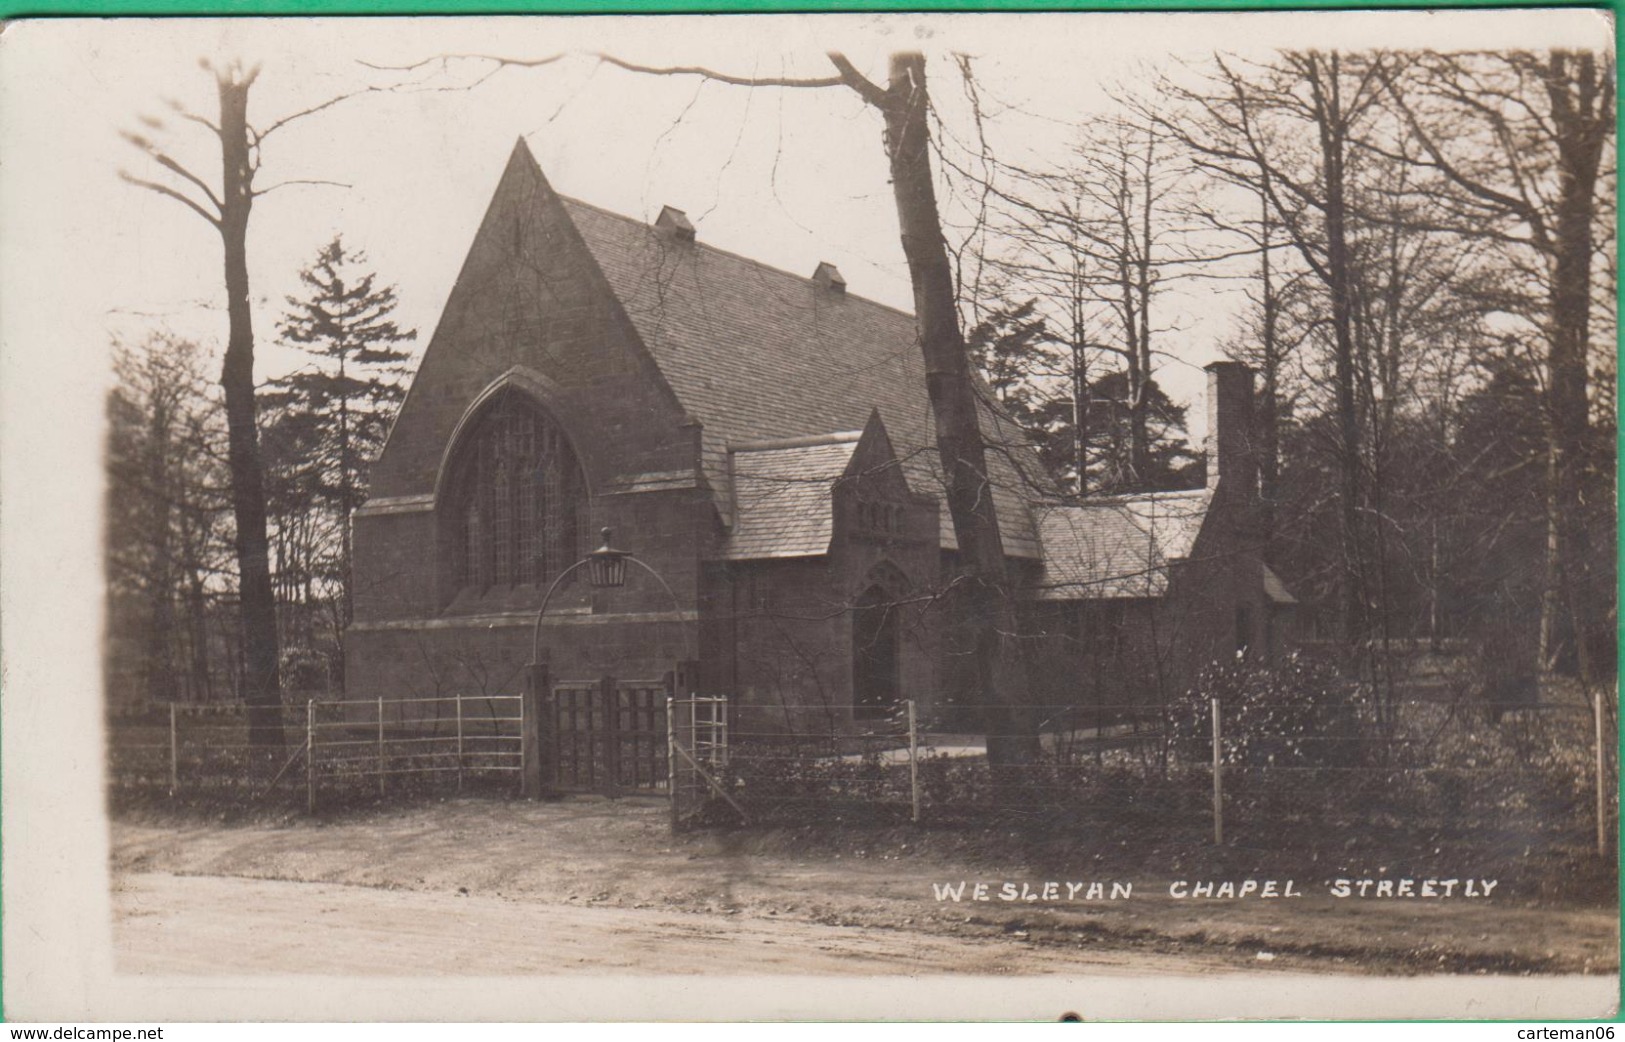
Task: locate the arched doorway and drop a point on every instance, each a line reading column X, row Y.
column 876, row 686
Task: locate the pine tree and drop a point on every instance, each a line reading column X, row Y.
column 344, row 322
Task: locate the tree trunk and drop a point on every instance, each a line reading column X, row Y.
column 262, row 686
column 160, row 636
column 198, row 629
column 1080, row 374
column 1139, row 393
column 1581, row 118
column 345, row 494
column 1080, row 412
column 984, row 593
column 1327, row 86
column 1269, row 404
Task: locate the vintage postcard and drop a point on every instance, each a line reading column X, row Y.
column 893, row 516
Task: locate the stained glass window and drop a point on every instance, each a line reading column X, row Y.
column 523, row 506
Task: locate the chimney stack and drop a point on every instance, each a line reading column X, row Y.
column 827, row 276
column 1230, row 456
column 675, row 223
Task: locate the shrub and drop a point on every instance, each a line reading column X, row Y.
column 1297, row 714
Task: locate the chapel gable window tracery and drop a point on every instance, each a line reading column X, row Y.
column 523, row 499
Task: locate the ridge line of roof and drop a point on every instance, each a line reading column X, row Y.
column 806, row 441
column 1115, row 500
column 702, row 245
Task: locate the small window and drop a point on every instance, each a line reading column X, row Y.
column 877, row 519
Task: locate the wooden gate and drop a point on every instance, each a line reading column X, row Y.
column 607, row 735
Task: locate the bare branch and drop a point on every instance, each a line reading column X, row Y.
column 867, row 89
column 445, row 59
column 164, row 160
column 300, row 181
column 173, row 194
column 261, row 135
column 850, row 79
column 181, row 111
column 720, row 77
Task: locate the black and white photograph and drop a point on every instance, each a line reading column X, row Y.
column 838, row 517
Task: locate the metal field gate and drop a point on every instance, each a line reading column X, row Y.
column 699, row 758
column 608, row 736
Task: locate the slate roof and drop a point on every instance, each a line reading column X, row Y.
column 754, row 353
column 784, row 498
column 1117, row 547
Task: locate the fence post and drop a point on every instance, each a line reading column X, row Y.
column 671, row 759
column 1602, row 770
column 310, row 756
column 174, row 754
column 609, row 703
column 913, row 763
column 460, row 737
column 533, row 733
column 1218, row 783
column 380, row 745
column 721, row 729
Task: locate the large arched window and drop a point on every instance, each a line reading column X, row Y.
column 521, row 504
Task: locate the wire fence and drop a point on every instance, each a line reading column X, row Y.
column 1492, row 774
column 329, row 748
column 1501, row 775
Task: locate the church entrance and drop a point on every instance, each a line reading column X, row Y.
column 608, row 735
column 876, row 688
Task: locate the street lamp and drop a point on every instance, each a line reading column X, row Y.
column 606, row 566
column 606, row 570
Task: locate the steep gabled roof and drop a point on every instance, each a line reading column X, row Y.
column 1117, row 547
column 755, row 353
column 784, row 496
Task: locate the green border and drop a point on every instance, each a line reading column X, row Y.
column 15, row 9
column 106, row 8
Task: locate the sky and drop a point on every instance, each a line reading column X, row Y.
column 789, row 177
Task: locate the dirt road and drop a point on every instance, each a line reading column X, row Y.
column 491, row 887
column 201, row 925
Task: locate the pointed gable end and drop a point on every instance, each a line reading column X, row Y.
column 532, row 297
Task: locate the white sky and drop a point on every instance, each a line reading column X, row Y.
column 790, row 177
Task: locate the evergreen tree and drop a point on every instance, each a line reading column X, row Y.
column 1030, row 376
column 1012, row 346
column 349, row 396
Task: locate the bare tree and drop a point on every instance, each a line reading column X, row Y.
column 1517, row 141
column 227, row 212
column 1249, row 126
column 167, row 529
column 1093, row 243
